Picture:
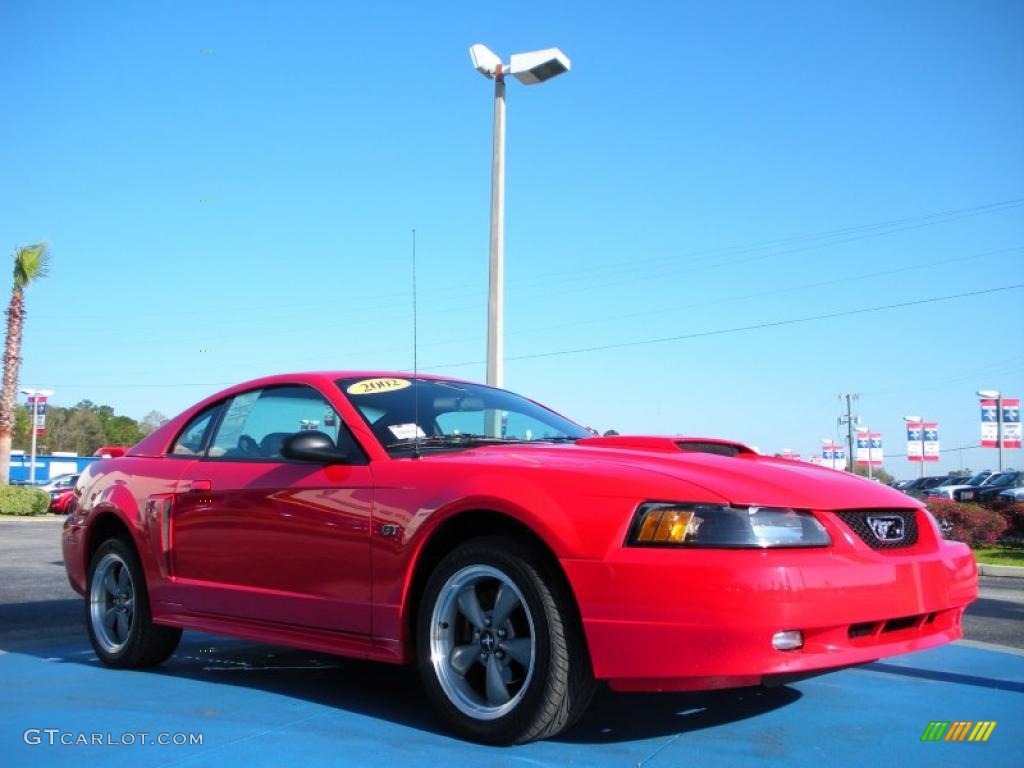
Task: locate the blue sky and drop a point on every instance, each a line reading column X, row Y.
column 703, row 167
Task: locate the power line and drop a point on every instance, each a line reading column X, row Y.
column 941, row 450
column 864, row 231
column 739, row 329
column 641, row 342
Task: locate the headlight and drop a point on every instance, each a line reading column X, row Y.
column 659, row 524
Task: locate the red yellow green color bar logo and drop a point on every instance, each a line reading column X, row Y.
column 958, row 730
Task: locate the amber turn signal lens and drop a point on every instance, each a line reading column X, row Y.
column 665, row 526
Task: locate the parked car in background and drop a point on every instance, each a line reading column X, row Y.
column 919, row 487
column 945, row 491
column 1002, row 481
column 60, row 501
column 516, row 558
column 111, row 451
column 1012, row 495
column 60, row 483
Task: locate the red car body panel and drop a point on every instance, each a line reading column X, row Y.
column 324, row 557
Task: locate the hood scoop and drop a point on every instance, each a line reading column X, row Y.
column 670, row 444
column 717, row 447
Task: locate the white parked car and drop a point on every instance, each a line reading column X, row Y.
column 945, row 491
column 60, row 483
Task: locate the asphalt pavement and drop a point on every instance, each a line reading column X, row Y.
column 261, row 705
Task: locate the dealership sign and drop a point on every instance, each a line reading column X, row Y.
column 876, row 448
column 990, row 424
column 37, row 403
column 869, row 448
column 833, row 455
column 922, row 441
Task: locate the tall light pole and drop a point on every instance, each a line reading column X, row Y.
column 529, row 68
column 998, row 396
column 35, row 394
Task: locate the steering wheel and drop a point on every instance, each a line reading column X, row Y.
column 248, row 446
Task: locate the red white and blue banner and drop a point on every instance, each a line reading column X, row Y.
column 915, row 443
column 931, row 441
column 863, row 448
column 875, row 450
column 833, row 455
column 989, row 426
column 1011, row 423
column 37, row 403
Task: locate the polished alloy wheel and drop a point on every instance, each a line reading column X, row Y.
column 112, row 603
column 482, row 642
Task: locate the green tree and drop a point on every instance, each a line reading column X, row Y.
column 151, row 421
column 121, row 430
column 84, row 432
column 876, row 472
column 22, row 425
column 31, row 263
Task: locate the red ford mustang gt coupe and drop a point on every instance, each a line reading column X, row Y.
column 511, row 555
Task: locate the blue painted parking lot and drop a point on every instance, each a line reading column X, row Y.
column 257, row 705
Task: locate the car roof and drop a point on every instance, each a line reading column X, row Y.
column 153, row 443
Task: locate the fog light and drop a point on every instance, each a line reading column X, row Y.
column 788, row 640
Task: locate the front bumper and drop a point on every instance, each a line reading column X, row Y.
column 659, row 619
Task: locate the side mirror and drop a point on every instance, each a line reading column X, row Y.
column 310, row 445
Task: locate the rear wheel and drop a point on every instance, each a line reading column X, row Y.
column 500, row 649
column 117, row 612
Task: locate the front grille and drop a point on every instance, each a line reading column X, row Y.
column 859, row 523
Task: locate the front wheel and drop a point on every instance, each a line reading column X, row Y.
column 499, row 646
column 117, row 612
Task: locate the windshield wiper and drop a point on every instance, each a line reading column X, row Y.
column 452, row 441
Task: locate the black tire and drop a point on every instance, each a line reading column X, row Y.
column 546, row 697
column 133, row 640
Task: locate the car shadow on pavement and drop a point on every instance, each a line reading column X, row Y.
column 395, row 694
column 614, row 717
column 945, row 677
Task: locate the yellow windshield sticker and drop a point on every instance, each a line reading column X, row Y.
column 376, row 386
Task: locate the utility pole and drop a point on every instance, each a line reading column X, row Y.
column 850, row 419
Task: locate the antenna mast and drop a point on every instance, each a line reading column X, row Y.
column 415, row 355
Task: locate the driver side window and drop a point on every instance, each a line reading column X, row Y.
column 256, row 423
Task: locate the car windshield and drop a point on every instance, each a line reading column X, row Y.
column 979, row 478
column 1005, row 479
column 404, row 412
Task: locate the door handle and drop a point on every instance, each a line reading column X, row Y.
column 200, row 485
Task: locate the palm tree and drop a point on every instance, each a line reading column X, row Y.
column 30, row 263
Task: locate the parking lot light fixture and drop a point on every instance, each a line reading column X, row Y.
column 529, row 68
column 35, row 394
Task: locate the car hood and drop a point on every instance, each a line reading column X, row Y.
column 729, row 470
